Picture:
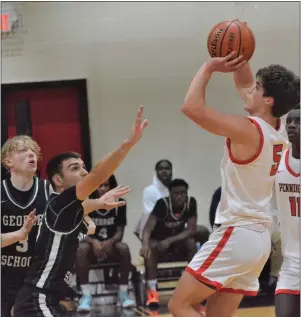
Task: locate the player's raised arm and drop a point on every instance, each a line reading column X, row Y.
column 105, row 168
column 244, row 81
column 238, row 129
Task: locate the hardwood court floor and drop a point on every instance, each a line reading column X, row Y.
column 141, row 312
column 249, row 312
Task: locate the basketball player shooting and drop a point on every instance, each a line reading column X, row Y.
column 224, row 270
column 63, row 224
column 287, row 190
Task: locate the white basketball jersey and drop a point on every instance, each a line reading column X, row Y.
column 247, row 185
column 287, row 189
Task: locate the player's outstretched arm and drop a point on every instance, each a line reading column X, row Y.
column 238, row 129
column 105, row 168
column 107, row 201
column 244, row 80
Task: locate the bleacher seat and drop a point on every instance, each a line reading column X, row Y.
column 169, row 270
column 104, row 276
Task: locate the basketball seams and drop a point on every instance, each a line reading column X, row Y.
column 222, row 39
column 252, row 37
column 209, row 39
column 240, row 40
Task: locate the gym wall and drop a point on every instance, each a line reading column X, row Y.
column 136, row 53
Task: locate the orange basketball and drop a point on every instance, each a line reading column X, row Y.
column 229, row 36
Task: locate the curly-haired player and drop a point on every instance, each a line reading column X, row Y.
column 228, row 265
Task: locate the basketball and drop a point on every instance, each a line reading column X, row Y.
column 226, row 37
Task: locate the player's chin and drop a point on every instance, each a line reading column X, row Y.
column 248, row 108
column 31, row 170
column 294, row 138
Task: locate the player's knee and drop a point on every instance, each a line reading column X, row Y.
column 176, row 307
column 191, row 244
column 153, row 246
column 123, row 248
column 83, row 250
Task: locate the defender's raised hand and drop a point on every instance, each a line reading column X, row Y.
column 30, row 220
column 138, row 127
column 110, row 199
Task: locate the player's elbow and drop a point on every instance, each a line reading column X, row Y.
column 194, row 112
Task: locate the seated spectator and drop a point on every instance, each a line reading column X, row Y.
column 158, row 189
column 165, row 231
column 105, row 244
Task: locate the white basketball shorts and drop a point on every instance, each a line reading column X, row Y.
column 232, row 259
column 289, row 278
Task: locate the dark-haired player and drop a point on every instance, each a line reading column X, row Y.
column 287, row 190
column 166, row 231
column 105, row 244
column 63, row 225
column 21, row 193
column 227, row 267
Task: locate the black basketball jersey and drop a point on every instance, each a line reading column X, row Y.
column 16, row 258
column 55, row 251
column 170, row 222
column 107, row 221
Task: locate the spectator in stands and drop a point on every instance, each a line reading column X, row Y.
column 158, row 189
column 165, row 232
column 105, row 244
column 214, row 203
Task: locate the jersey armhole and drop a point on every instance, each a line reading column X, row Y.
column 252, row 159
column 57, row 231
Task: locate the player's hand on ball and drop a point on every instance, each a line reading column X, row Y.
column 110, row 199
column 30, row 220
column 226, row 64
column 138, row 127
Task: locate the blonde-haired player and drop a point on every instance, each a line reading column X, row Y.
column 287, row 192
column 21, row 193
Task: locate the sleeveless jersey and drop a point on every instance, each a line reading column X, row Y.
column 287, row 189
column 16, row 258
column 55, row 251
column 247, row 185
column 170, row 223
column 107, row 221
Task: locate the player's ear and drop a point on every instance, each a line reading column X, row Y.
column 269, row 101
column 57, row 179
column 8, row 163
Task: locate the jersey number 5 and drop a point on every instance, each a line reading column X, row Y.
column 22, row 246
column 295, row 206
column 277, row 151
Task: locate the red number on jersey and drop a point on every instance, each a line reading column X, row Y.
column 277, row 151
column 295, row 205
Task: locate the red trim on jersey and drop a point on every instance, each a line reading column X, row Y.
column 290, row 170
column 238, row 291
column 252, row 159
column 287, row 291
column 215, row 253
column 203, row 279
